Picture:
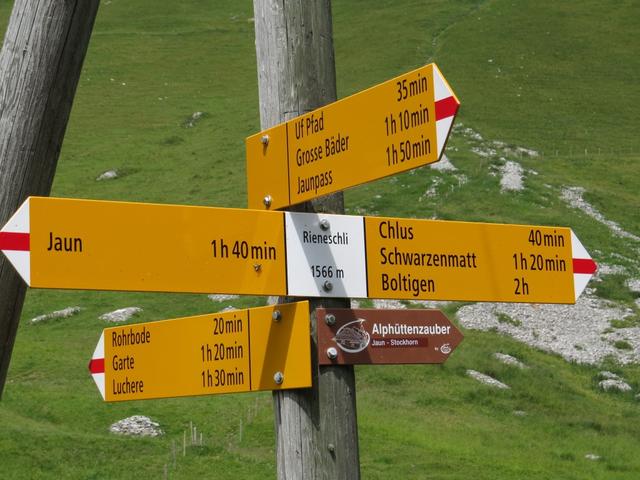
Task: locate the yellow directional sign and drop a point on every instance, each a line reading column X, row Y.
column 395, row 126
column 474, row 261
column 99, row 245
column 82, row 244
column 265, row 348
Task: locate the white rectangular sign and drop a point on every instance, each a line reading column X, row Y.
column 325, row 255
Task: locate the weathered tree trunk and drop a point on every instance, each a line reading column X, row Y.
column 40, row 64
column 316, row 428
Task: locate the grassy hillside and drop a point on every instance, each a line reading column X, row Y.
column 554, row 77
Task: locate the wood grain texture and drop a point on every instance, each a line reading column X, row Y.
column 40, row 63
column 316, row 428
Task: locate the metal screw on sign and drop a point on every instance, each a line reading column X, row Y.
column 267, row 201
column 327, row 286
column 278, row 378
column 257, row 267
column 332, row 353
column 330, row 319
column 276, row 315
column 265, row 139
column 324, row 224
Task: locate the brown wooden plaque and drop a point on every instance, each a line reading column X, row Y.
column 367, row 336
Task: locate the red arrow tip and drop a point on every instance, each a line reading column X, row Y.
column 96, row 365
column 447, row 107
column 14, row 241
column 584, row 265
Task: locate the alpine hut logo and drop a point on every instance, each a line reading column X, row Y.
column 352, row 337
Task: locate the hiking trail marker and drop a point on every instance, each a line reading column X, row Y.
column 101, row 245
column 373, row 336
column 265, row 348
column 395, row 126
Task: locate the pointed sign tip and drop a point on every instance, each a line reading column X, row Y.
column 96, row 366
column 15, row 241
column 447, row 107
column 584, row 266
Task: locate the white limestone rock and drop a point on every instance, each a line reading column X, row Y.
column 137, row 425
column 509, row 360
column 611, row 384
column 120, row 315
column 64, row 313
column 108, row 175
column 487, row 380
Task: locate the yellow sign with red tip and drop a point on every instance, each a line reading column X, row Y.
column 265, row 348
column 392, row 127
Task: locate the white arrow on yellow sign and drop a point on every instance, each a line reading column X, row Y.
column 392, row 127
column 265, row 348
column 86, row 244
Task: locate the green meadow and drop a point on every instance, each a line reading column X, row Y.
column 168, row 93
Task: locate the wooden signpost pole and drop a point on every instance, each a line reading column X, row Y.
column 40, row 64
column 316, row 429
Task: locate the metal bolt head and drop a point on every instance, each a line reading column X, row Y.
column 278, row 378
column 327, row 286
column 331, row 447
column 257, row 267
column 276, row 315
column 267, row 201
column 330, row 319
column 332, row 353
column 264, row 139
column 324, row 224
